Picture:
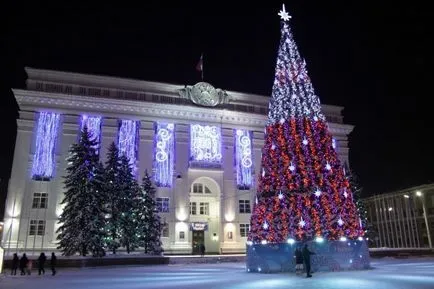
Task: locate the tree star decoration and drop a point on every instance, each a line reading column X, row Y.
column 283, row 14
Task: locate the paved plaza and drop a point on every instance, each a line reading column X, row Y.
column 386, row 273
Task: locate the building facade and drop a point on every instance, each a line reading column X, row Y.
column 202, row 145
column 402, row 219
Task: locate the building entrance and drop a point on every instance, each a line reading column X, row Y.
column 198, row 240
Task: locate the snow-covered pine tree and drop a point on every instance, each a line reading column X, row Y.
column 113, row 198
column 82, row 220
column 130, row 190
column 151, row 222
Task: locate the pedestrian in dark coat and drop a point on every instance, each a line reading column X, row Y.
column 202, row 249
column 41, row 263
column 23, row 264
column 15, row 262
column 53, row 263
column 306, row 258
column 298, row 261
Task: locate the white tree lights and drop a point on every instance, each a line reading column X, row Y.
column 93, row 124
column 243, row 158
column 205, row 144
column 164, row 154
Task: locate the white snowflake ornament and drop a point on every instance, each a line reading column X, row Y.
column 340, row 222
column 345, row 194
column 291, row 167
column 328, row 166
column 317, row 192
column 302, row 223
column 265, row 226
column 305, row 142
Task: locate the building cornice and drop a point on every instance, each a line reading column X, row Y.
column 111, row 82
column 62, row 103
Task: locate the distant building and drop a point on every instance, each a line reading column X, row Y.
column 202, row 145
column 403, row 219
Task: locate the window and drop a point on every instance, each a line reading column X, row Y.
column 200, row 189
column 244, row 206
column 181, row 235
column 40, row 201
column 197, row 188
column 163, row 205
column 244, row 229
column 204, row 208
column 37, row 228
column 193, row 208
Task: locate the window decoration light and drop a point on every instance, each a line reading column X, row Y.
column 164, row 154
column 205, row 145
column 243, row 158
column 44, row 161
column 128, row 141
column 93, row 124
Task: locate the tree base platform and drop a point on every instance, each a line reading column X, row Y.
column 329, row 256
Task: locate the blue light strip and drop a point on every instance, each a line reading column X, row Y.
column 205, row 144
column 243, row 158
column 93, row 124
column 164, row 154
column 128, row 141
column 44, row 160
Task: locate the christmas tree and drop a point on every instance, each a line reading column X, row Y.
column 113, row 198
column 151, row 222
column 303, row 193
column 82, row 220
column 129, row 191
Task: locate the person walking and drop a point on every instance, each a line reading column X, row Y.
column 306, row 258
column 298, row 261
column 29, row 267
column 53, row 263
column 15, row 262
column 41, row 263
column 202, row 249
column 23, row 264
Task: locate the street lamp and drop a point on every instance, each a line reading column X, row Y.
column 419, row 194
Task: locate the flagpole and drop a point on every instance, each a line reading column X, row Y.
column 202, row 66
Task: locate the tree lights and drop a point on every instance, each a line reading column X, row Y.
column 128, row 140
column 164, row 154
column 303, row 193
column 205, row 145
column 93, row 124
column 44, row 161
column 243, row 158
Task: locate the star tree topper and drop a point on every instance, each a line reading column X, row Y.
column 284, row 14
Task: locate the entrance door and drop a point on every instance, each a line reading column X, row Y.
column 198, row 239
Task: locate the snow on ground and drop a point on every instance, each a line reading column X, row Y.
column 387, row 273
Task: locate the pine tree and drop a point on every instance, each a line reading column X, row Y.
column 82, row 220
column 113, row 201
column 128, row 226
column 302, row 191
column 151, row 221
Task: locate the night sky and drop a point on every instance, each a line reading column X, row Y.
column 371, row 58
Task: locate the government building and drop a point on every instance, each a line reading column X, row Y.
column 202, row 146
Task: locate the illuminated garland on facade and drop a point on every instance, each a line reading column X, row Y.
column 128, row 141
column 205, row 145
column 93, row 124
column 243, row 158
column 164, row 154
column 44, row 160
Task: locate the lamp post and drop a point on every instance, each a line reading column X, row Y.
column 420, row 195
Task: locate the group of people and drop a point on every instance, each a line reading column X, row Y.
column 25, row 264
column 302, row 260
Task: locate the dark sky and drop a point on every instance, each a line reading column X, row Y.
column 371, row 58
